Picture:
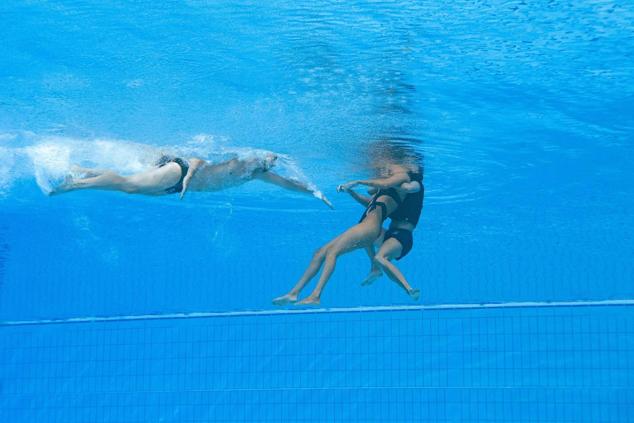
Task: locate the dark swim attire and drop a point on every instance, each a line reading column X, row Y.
column 408, row 211
column 178, row 187
column 412, row 206
column 390, row 192
column 404, row 237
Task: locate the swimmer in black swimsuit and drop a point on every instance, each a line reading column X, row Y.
column 178, row 187
column 363, row 234
column 397, row 241
column 174, row 175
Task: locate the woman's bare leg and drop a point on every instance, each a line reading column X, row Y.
column 358, row 236
column 87, row 171
column 153, row 181
column 375, row 269
column 391, row 249
column 106, row 181
column 309, row 273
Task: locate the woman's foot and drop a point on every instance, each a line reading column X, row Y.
column 372, row 276
column 310, row 300
column 285, row 299
column 414, row 293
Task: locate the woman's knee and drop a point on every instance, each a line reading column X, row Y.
column 381, row 259
column 320, row 253
column 332, row 253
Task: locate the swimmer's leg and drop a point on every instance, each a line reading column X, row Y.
column 375, row 269
column 309, row 273
column 106, row 181
column 391, row 249
column 87, row 172
column 358, row 236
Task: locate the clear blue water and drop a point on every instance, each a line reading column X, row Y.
column 522, row 112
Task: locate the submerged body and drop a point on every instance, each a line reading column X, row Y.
column 398, row 240
column 174, row 175
column 216, row 177
column 390, row 193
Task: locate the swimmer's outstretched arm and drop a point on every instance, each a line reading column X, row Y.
column 408, row 187
column 194, row 165
column 280, row 181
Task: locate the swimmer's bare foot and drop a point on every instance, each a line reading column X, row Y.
column 372, row 276
column 310, row 300
column 285, row 299
column 414, row 293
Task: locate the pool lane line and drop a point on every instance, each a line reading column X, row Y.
column 336, row 310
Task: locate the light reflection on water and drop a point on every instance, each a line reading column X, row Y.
column 466, row 82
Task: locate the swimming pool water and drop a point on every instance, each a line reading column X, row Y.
column 522, row 112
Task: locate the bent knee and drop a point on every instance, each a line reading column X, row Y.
column 381, row 259
column 332, row 254
column 319, row 253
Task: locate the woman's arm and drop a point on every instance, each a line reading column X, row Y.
column 392, row 181
column 290, row 184
column 361, row 199
column 280, row 181
column 194, row 165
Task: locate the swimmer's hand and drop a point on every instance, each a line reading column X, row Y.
column 185, row 185
column 327, row 202
column 194, row 164
column 322, row 197
column 347, row 186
